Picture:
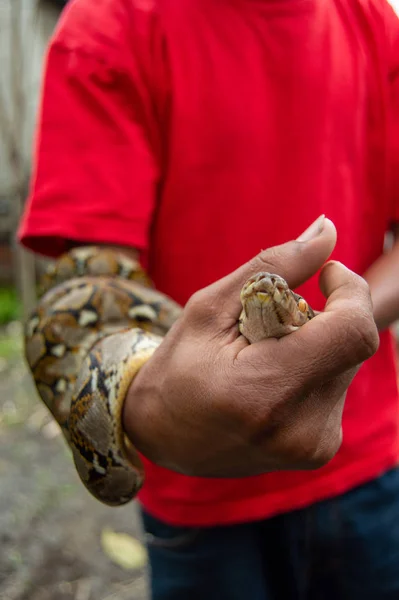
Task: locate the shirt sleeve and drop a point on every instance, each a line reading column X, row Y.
column 97, row 152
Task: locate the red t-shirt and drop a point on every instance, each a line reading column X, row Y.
column 201, row 132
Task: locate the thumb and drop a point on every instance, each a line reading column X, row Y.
column 295, row 261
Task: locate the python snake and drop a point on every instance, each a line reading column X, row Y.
column 98, row 321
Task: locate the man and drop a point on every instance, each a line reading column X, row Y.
column 193, row 134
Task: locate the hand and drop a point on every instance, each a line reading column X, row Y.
column 209, row 404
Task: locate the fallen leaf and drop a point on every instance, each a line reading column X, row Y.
column 123, row 550
column 51, row 430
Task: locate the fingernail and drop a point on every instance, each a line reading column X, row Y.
column 313, row 230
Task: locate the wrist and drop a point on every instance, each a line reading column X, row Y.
column 136, row 419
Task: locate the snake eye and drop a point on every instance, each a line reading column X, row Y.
column 302, row 305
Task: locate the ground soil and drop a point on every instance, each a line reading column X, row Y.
column 50, row 527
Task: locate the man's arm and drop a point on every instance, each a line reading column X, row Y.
column 95, row 176
column 205, row 403
column 383, row 279
column 383, row 275
column 97, row 322
column 96, row 166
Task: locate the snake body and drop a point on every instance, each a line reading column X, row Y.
column 97, row 323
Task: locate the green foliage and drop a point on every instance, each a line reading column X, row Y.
column 10, row 306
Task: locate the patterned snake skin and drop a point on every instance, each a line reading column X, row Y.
column 97, row 323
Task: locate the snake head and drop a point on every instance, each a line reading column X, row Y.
column 270, row 308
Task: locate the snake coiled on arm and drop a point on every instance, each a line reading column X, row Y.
column 98, row 321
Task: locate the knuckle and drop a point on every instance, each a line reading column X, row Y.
column 364, row 335
column 267, row 260
column 359, row 288
column 362, row 284
column 314, row 444
column 323, row 454
column 314, row 452
column 206, row 307
column 277, row 259
column 198, row 306
column 195, row 302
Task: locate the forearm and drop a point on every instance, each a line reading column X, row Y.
column 91, row 332
column 383, row 279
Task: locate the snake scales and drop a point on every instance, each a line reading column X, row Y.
column 98, row 321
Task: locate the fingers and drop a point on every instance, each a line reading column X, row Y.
column 348, row 298
column 338, row 284
column 314, row 427
column 296, row 261
column 340, row 338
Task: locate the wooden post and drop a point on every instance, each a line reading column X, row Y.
column 13, row 130
column 25, row 264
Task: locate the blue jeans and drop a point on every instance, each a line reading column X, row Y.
column 346, row 548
